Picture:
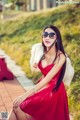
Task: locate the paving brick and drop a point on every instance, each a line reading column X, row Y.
column 9, row 109
column 6, row 100
column 1, row 103
column 8, row 104
column 4, row 95
column 14, row 97
column 2, row 108
column 15, row 91
column 11, row 83
column 17, row 94
column 2, row 91
column 2, row 84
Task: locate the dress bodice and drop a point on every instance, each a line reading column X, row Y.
column 46, row 69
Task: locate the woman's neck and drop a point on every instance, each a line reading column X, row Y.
column 52, row 51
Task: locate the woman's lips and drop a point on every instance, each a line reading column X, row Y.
column 47, row 42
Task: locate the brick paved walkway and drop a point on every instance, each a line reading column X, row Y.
column 9, row 90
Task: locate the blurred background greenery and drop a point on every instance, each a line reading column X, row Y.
column 18, row 34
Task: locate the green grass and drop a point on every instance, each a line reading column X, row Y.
column 18, row 36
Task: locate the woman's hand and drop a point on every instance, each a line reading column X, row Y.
column 18, row 100
column 35, row 65
column 21, row 98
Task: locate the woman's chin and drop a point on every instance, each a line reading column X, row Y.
column 48, row 46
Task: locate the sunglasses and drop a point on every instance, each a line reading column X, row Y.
column 51, row 35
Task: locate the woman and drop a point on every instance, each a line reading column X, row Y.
column 48, row 99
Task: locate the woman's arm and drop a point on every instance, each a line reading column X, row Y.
column 51, row 74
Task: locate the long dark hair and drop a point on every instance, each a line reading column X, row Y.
column 59, row 46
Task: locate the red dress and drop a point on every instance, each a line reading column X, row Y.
column 5, row 73
column 45, row 104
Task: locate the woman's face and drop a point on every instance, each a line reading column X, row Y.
column 49, row 37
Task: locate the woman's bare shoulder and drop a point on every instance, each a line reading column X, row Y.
column 60, row 57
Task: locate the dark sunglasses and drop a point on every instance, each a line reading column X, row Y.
column 51, row 35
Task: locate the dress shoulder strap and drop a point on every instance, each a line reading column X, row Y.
column 59, row 54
